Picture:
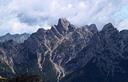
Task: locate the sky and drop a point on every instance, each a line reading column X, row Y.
column 20, row 16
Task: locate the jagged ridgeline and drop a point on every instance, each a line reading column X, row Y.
column 67, row 53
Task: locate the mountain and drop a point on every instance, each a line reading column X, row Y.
column 67, row 53
column 108, row 50
column 19, row 38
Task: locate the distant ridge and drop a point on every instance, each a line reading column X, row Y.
column 19, row 38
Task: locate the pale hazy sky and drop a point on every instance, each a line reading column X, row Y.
column 19, row 16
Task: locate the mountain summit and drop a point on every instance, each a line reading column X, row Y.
column 66, row 53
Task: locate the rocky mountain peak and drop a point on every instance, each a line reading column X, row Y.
column 108, row 27
column 93, row 28
column 63, row 25
column 8, row 34
column 41, row 31
column 124, row 34
column 63, row 22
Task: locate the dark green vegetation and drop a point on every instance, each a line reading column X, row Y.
column 23, row 78
column 2, row 79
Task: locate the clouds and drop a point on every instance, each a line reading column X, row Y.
column 18, row 16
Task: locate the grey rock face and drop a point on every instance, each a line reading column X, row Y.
column 47, row 52
column 66, row 52
column 63, row 26
column 92, row 28
column 104, row 59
